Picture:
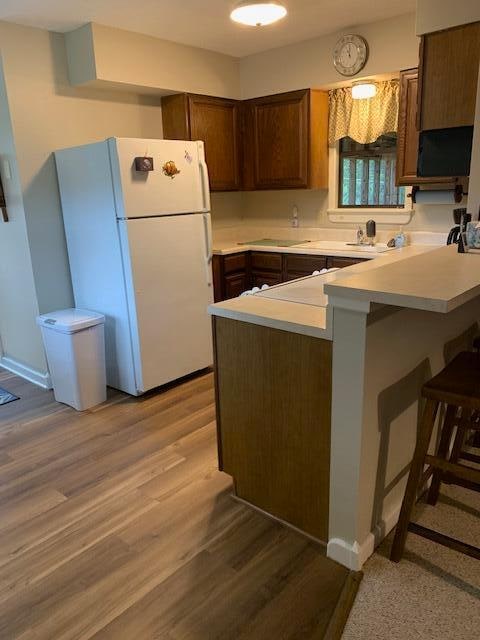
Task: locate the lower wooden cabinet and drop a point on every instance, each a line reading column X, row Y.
column 259, row 278
column 235, row 284
column 339, row 262
column 235, row 273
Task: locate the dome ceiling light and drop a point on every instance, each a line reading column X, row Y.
column 364, row 89
column 258, row 14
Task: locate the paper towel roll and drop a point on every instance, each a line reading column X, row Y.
column 435, row 196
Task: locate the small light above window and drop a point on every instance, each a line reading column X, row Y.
column 363, row 90
column 258, row 14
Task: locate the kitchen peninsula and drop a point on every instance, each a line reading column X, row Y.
column 318, row 383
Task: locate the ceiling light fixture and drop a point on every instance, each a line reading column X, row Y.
column 258, row 14
column 364, row 89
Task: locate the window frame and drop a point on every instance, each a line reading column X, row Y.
column 393, row 214
column 366, row 156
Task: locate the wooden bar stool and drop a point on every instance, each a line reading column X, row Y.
column 457, row 387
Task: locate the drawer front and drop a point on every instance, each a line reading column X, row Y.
column 259, row 278
column 235, row 284
column 235, row 262
column 304, row 264
column 343, row 262
column 266, row 261
column 294, row 275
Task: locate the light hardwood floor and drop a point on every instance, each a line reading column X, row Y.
column 115, row 523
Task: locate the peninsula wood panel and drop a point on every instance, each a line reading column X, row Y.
column 448, row 75
column 273, row 414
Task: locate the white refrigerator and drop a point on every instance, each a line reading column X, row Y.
column 139, row 247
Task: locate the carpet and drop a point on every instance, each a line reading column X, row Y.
column 6, row 396
column 434, row 592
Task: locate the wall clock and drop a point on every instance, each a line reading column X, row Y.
column 350, row 54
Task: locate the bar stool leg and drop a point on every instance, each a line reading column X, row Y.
column 443, row 449
column 459, row 438
column 416, row 470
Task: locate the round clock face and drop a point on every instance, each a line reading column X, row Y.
column 350, row 55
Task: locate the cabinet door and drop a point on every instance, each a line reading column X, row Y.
column 259, row 278
column 235, row 284
column 216, row 122
column 448, row 77
column 407, row 137
column 299, row 265
column 343, row 262
column 279, row 138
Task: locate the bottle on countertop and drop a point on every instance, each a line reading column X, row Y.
column 400, row 239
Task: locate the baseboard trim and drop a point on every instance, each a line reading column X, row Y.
column 39, row 378
column 353, row 556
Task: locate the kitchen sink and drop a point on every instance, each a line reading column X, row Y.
column 269, row 242
column 335, row 245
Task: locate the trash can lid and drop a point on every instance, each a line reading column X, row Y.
column 70, row 320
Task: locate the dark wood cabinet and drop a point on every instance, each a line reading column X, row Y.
column 408, row 135
column 231, row 275
column 448, row 74
column 285, row 141
column 299, row 265
column 339, row 263
column 235, row 273
column 216, row 121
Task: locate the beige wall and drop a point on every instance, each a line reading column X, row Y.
column 47, row 113
column 434, row 15
column 119, row 57
column 474, row 187
column 393, row 46
column 19, row 337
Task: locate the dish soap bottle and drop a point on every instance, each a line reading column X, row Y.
column 400, row 239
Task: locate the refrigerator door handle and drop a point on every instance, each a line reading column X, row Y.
column 204, row 179
column 208, row 244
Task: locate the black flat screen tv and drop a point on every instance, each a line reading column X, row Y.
column 445, row 152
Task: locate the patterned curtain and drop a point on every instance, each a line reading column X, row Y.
column 363, row 120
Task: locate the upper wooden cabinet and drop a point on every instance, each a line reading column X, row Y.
column 408, row 134
column 285, row 141
column 216, row 121
column 448, row 76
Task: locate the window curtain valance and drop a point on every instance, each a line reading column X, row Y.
column 363, row 120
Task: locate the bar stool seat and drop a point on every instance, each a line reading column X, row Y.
column 458, row 383
column 457, row 387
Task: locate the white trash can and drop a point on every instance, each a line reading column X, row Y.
column 75, row 346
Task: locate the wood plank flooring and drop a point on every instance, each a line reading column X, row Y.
column 116, row 524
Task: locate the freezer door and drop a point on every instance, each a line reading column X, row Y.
column 177, row 184
column 169, row 286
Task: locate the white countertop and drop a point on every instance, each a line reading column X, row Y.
column 440, row 280
column 301, row 306
column 312, row 248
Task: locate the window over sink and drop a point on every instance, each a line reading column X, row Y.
column 367, row 174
